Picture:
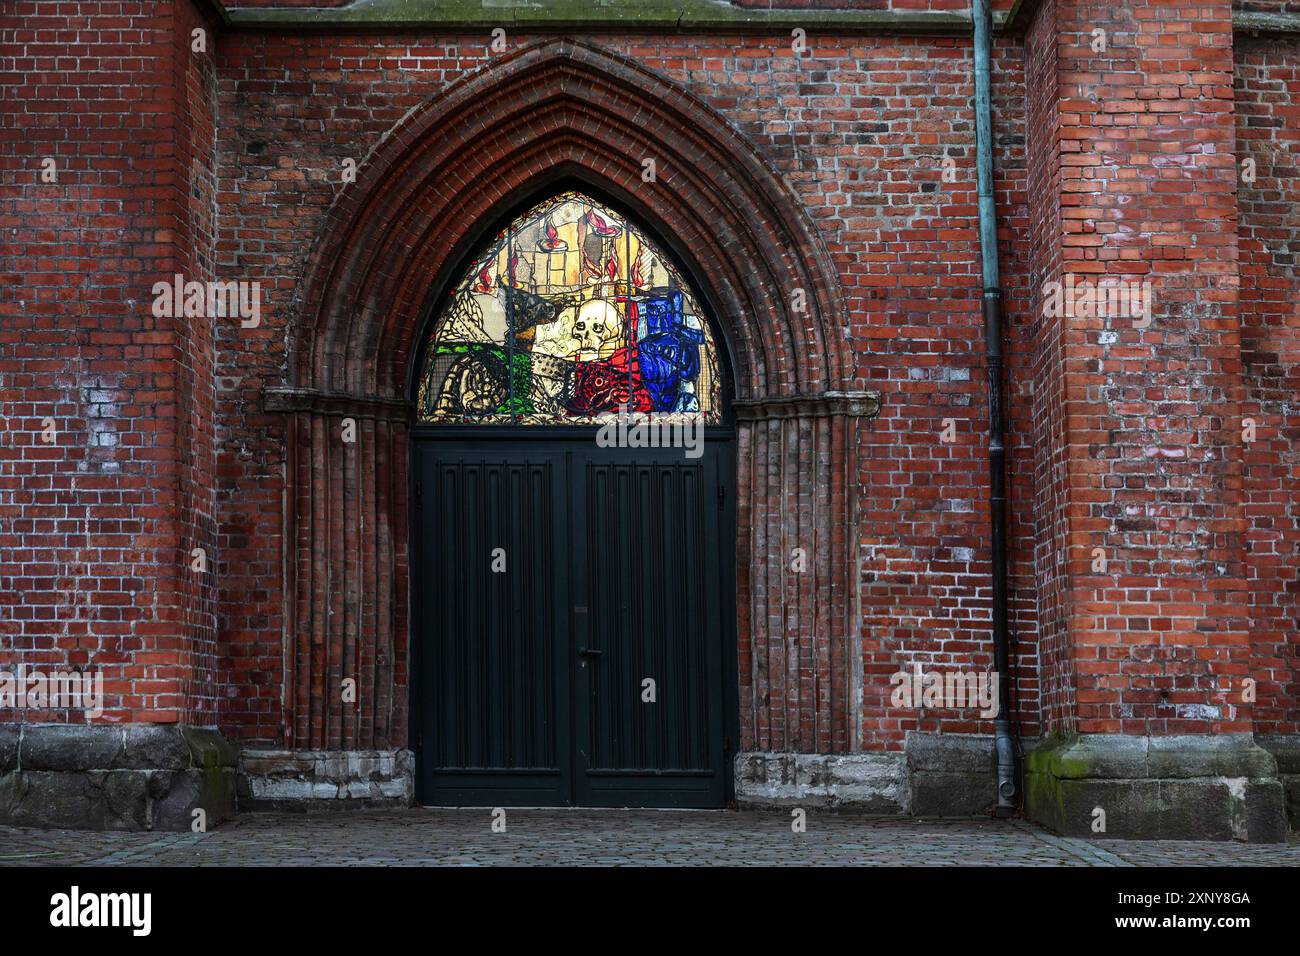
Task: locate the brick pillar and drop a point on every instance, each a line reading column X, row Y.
column 346, row 570
column 1268, row 227
column 797, row 622
column 346, row 608
column 107, row 466
column 1147, row 625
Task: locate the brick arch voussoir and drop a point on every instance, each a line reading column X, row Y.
column 738, row 290
column 387, row 235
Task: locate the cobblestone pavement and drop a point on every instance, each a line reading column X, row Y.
column 446, row 837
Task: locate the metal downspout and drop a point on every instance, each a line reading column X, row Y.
column 992, row 307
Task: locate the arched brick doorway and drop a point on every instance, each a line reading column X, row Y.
column 573, row 637
column 563, row 108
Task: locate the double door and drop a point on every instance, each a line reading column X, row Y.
column 571, row 623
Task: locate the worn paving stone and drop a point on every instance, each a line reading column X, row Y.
column 464, row 837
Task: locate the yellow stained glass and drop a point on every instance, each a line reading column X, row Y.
column 570, row 315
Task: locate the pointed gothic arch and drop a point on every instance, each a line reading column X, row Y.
column 554, row 110
column 566, row 107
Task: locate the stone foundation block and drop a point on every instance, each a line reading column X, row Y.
column 325, row 780
column 132, row 777
column 1161, row 788
column 876, row 783
column 952, row 775
column 1286, row 751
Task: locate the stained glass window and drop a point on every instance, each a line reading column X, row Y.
column 570, row 315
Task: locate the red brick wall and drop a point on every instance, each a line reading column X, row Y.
column 1117, row 164
column 195, row 188
column 1150, row 472
column 905, row 244
column 1267, row 80
column 1042, row 389
column 919, row 335
column 97, row 525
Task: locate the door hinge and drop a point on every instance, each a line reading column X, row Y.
column 722, row 495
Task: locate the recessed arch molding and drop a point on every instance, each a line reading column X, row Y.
column 429, row 189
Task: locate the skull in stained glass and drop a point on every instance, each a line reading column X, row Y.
column 571, row 313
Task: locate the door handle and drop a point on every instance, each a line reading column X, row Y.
column 589, row 652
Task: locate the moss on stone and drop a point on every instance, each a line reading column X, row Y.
column 1265, row 21
column 1047, row 768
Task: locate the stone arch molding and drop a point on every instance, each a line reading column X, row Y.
column 454, row 166
column 551, row 106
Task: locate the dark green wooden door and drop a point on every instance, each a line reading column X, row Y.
column 571, row 640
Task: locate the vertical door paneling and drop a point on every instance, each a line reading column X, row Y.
column 494, row 644
column 533, row 678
